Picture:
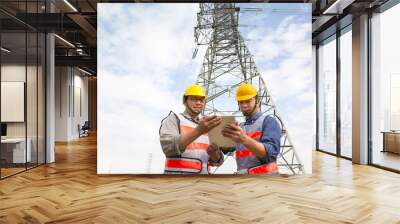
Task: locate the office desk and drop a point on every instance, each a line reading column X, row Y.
column 391, row 142
column 13, row 150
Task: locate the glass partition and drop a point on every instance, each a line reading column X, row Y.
column 327, row 95
column 346, row 93
column 22, row 90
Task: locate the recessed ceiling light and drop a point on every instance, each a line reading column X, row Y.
column 338, row 6
column 64, row 40
column 70, row 5
column 84, row 71
column 5, row 50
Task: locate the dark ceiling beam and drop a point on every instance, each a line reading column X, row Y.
column 57, row 22
column 8, row 15
column 91, row 5
column 199, row 1
column 83, row 23
column 338, row 16
column 86, row 26
column 87, row 51
column 49, row 22
column 332, row 29
column 82, row 61
column 11, row 25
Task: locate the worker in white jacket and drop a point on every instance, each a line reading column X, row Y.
column 184, row 139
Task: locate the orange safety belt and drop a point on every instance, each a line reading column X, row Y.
column 263, row 169
column 185, row 164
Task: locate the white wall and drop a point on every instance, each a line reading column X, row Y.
column 61, row 103
column 17, row 73
column 70, row 84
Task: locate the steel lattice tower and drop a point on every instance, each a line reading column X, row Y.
column 227, row 64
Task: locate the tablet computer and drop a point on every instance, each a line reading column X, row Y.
column 216, row 137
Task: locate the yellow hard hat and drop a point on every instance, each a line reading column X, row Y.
column 194, row 90
column 245, row 92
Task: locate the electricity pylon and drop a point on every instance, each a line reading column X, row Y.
column 227, row 64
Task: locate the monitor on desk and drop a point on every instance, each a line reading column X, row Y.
column 3, row 130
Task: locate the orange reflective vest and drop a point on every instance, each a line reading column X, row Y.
column 195, row 158
column 246, row 160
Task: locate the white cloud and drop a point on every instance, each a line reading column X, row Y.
column 289, row 78
column 144, row 65
column 145, row 35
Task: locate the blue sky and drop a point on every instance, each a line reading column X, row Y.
column 145, row 63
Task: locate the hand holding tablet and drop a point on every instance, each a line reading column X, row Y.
column 215, row 134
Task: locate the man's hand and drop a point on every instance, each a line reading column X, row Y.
column 207, row 123
column 214, row 152
column 234, row 132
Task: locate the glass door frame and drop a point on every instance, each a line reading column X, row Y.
column 338, row 33
column 44, row 80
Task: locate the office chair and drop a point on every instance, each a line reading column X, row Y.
column 84, row 130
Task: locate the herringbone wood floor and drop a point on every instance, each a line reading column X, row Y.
column 70, row 191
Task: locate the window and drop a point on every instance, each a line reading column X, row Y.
column 346, row 92
column 385, row 89
column 327, row 95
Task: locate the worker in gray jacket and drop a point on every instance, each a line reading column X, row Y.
column 184, row 139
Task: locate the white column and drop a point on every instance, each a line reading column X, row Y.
column 360, row 90
column 50, row 91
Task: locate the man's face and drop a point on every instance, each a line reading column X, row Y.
column 195, row 103
column 247, row 106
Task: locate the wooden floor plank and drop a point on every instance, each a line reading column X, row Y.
column 70, row 191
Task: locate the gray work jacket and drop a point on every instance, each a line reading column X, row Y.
column 170, row 134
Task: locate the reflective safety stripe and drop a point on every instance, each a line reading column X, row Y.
column 197, row 145
column 194, row 156
column 183, row 164
column 244, row 153
column 247, row 152
column 255, row 134
column 263, row 169
column 186, row 129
